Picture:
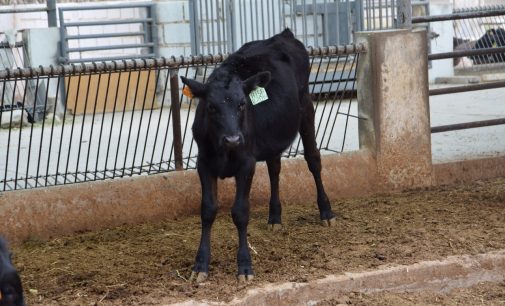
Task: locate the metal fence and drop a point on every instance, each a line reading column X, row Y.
column 134, row 37
column 224, row 25
column 482, row 32
column 477, row 51
column 128, row 117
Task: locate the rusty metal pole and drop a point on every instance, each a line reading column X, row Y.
column 176, row 117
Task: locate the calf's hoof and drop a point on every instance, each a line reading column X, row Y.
column 329, row 222
column 274, row 227
column 198, row 277
column 244, row 278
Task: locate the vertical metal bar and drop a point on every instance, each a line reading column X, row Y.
column 257, row 21
column 224, row 23
column 243, row 26
column 42, row 132
column 231, row 26
column 349, row 107
column 141, row 118
column 1, row 119
column 20, row 133
column 62, row 130
column 10, row 128
column 304, row 22
column 212, row 39
column 386, row 10
column 112, row 122
column 218, row 28
column 153, row 100
column 208, row 39
column 82, row 127
column 90, row 144
column 404, row 20
column 121, row 124
column 262, row 25
column 176, row 121
column 101, row 126
column 194, row 29
column 31, row 133
column 132, row 119
column 293, row 15
column 372, row 15
column 314, row 21
column 51, row 14
column 63, row 37
column 153, row 29
column 337, row 12
column 270, row 22
column 380, row 15
column 282, row 17
column 393, row 14
column 52, row 130
column 159, row 122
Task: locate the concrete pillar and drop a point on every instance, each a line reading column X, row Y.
column 393, row 96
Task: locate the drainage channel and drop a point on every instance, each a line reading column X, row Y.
column 438, row 276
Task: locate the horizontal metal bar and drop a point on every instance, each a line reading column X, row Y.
column 456, row 16
column 479, row 8
column 467, row 125
column 118, row 63
column 23, row 10
column 139, row 57
column 108, row 7
column 111, row 47
column 466, row 53
column 449, row 90
column 109, row 22
column 105, row 35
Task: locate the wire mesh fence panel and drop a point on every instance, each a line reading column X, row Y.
column 119, row 117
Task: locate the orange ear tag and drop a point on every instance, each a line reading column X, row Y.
column 187, row 92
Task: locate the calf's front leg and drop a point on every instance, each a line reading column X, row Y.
column 240, row 216
column 208, row 215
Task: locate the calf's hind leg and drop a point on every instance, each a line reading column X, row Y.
column 313, row 158
column 275, row 209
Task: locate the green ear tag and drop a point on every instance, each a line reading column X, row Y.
column 258, row 95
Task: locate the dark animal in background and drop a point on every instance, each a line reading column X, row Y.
column 11, row 291
column 232, row 134
column 491, row 39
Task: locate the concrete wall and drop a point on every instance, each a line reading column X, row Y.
column 395, row 155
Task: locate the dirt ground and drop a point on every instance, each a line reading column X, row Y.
column 149, row 264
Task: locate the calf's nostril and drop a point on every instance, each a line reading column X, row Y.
column 232, row 141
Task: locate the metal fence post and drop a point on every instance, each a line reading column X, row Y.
column 404, row 14
column 52, row 20
column 176, row 117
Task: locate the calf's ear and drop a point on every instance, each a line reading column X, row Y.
column 197, row 89
column 260, row 79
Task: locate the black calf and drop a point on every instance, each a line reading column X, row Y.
column 11, row 291
column 250, row 110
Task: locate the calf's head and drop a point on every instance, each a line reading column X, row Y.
column 11, row 291
column 224, row 102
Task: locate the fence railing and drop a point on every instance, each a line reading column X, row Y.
column 128, row 117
